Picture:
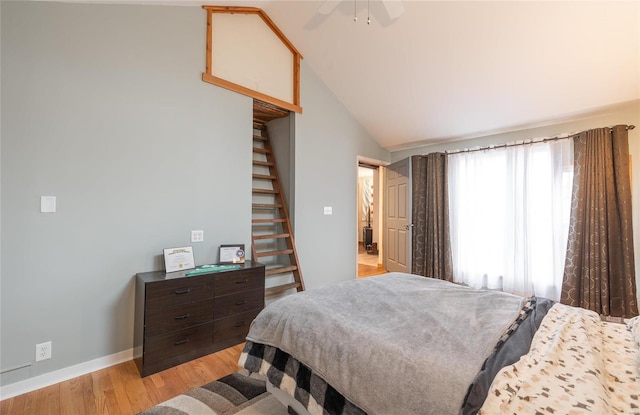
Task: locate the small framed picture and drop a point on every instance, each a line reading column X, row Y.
column 178, row 259
column 232, row 254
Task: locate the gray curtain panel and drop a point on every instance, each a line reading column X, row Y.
column 599, row 270
column 431, row 245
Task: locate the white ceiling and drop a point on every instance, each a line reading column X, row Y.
column 451, row 70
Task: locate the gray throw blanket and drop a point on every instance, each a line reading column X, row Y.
column 391, row 344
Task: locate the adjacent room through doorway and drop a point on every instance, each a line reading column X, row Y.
column 369, row 220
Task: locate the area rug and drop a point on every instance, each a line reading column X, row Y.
column 236, row 394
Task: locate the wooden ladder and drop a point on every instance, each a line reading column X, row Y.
column 271, row 238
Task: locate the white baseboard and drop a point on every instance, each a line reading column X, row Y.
column 51, row 378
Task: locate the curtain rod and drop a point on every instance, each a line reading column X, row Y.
column 524, row 143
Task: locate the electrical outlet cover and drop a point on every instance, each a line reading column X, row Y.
column 43, row 351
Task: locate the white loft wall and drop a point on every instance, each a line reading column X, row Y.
column 247, row 52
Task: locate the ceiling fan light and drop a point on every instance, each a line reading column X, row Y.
column 394, row 8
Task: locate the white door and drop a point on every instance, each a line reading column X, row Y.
column 398, row 217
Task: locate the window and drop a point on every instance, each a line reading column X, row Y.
column 509, row 211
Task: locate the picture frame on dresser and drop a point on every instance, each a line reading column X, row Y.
column 232, row 254
column 178, row 259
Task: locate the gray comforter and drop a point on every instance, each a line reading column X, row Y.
column 391, row 344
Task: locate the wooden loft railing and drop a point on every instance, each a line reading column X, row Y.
column 208, row 76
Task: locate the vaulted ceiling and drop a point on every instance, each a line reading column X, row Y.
column 452, row 70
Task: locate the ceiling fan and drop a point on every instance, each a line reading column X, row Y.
column 394, row 8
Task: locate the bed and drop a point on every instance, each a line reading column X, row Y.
column 404, row 344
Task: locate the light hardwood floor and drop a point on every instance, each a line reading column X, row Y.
column 119, row 389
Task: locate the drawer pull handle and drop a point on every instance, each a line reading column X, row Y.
column 184, row 291
column 241, row 302
column 182, row 317
column 183, row 341
column 239, row 324
column 242, row 281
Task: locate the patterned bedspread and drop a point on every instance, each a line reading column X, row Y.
column 577, row 365
column 296, row 379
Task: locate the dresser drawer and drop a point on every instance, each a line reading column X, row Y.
column 176, row 315
column 172, row 344
column 238, row 281
column 234, row 326
column 180, row 291
column 228, row 305
column 164, row 320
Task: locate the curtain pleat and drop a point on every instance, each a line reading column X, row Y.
column 431, row 255
column 599, row 268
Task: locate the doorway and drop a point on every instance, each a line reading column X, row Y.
column 369, row 219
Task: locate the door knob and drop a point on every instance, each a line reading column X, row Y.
column 409, row 226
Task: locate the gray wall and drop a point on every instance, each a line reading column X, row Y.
column 283, row 146
column 0, row 184
column 627, row 113
column 104, row 107
column 327, row 143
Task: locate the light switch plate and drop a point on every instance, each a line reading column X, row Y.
column 197, row 236
column 47, row 204
column 328, row 210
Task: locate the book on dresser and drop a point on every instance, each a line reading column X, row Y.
column 180, row 317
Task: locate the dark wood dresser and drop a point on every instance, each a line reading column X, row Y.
column 179, row 318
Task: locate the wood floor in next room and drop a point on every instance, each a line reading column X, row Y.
column 367, row 264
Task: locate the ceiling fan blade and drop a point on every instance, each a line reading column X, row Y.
column 328, row 6
column 394, row 8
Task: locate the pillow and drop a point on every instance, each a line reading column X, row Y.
column 634, row 326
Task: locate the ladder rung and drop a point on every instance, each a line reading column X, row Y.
column 274, row 253
column 268, row 191
column 264, row 177
column 273, row 223
column 280, row 288
column 280, row 270
column 268, row 220
column 274, row 236
column 266, row 206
